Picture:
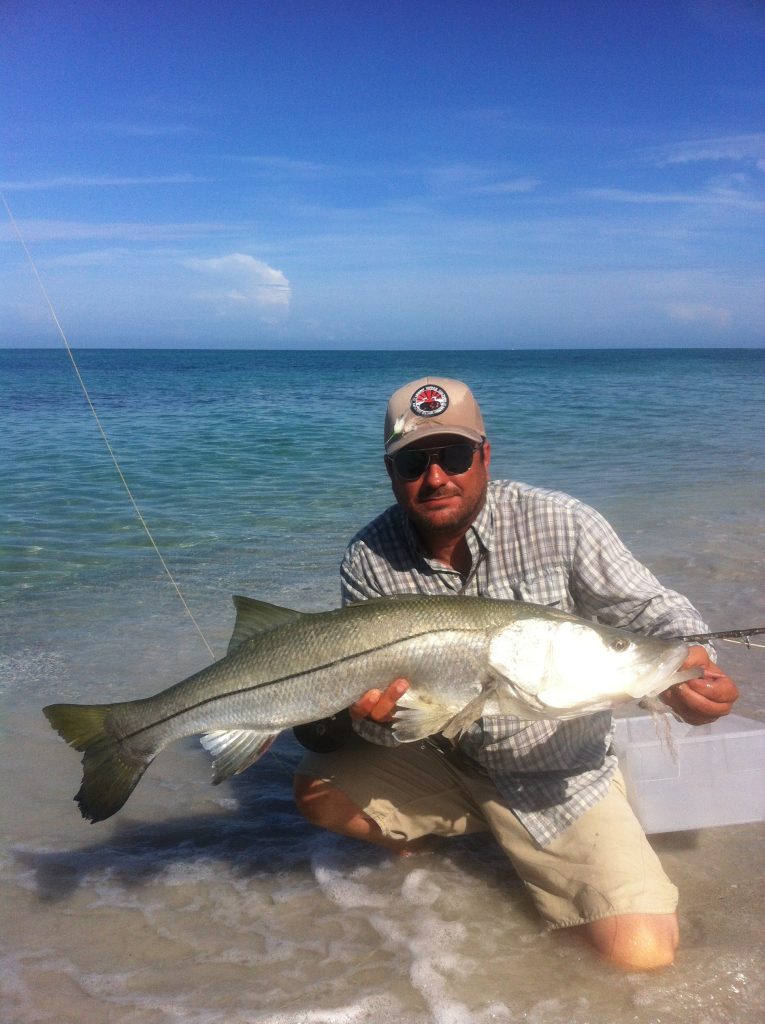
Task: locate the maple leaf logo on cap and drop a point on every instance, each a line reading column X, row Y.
column 429, row 400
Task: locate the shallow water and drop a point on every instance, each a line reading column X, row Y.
column 210, row 904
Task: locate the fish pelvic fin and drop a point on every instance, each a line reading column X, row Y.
column 108, row 778
column 253, row 617
column 417, row 717
column 233, row 750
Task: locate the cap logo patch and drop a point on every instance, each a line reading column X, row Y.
column 429, row 400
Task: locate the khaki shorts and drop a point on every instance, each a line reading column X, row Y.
column 601, row 866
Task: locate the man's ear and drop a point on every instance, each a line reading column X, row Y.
column 486, row 452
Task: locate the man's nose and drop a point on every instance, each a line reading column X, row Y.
column 434, row 475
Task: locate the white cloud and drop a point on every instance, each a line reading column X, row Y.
column 287, row 165
column 97, row 181
column 474, row 179
column 700, row 313
column 245, row 282
column 716, row 195
column 739, row 148
column 514, row 186
column 143, row 129
column 126, row 231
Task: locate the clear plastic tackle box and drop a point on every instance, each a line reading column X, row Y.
column 706, row 775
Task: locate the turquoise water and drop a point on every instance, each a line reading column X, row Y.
column 253, row 469
column 232, row 455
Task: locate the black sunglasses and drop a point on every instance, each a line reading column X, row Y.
column 410, row 463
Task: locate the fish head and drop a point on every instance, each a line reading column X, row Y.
column 563, row 667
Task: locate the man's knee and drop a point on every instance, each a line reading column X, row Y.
column 636, row 942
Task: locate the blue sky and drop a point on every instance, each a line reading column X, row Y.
column 527, row 173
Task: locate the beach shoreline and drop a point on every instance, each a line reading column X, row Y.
column 208, row 904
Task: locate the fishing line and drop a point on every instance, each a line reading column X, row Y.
column 96, row 417
column 109, row 448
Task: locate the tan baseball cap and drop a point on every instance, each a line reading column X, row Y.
column 431, row 405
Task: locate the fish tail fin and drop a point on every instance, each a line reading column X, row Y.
column 108, row 777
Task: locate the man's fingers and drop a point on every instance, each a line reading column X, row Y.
column 379, row 704
column 364, row 705
column 383, row 710
column 715, row 686
column 700, row 701
column 700, row 704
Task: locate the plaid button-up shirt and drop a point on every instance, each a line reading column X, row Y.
column 528, row 544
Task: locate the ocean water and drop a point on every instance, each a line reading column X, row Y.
column 200, row 904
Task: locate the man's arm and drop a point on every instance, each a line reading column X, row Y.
column 610, row 584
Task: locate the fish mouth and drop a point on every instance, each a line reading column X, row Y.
column 670, row 670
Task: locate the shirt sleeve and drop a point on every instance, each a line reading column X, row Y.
column 353, row 586
column 610, row 584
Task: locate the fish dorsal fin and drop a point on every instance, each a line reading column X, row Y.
column 253, row 617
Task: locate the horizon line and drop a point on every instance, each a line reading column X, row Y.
column 407, row 349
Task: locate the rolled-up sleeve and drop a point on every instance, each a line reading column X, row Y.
column 610, row 584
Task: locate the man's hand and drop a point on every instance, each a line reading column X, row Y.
column 703, row 700
column 379, row 705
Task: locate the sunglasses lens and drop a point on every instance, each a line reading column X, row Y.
column 410, row 465
column 454, row 459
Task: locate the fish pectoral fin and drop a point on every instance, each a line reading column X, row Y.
column 465, row 717
column 233, row 750
column 511, row 700
column 253, row 617
column 417, row 717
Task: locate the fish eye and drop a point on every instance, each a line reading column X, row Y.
column 620, row 644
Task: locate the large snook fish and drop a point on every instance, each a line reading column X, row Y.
column 464, row 656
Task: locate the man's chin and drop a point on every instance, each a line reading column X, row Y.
column 445, row 513
column 439, row 519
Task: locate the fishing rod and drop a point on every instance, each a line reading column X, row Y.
column 734, row 636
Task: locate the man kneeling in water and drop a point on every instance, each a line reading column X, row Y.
column 550, row 791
